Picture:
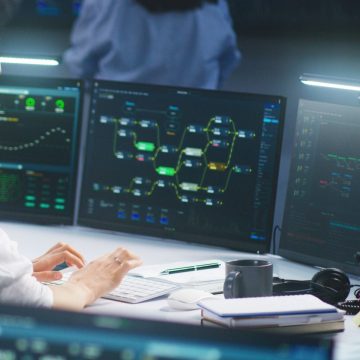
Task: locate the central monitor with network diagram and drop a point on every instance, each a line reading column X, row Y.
column 194, row 165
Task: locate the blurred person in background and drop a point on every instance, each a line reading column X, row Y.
column 168, row 42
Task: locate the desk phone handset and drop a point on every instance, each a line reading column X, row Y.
column 330, row 285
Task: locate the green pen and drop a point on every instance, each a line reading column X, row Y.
column 190, row 268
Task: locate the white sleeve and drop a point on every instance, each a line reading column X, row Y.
column 17, row 285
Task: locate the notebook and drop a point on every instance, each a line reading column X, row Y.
column 278, row 320
column 299, row 329
column 267, row 306
column 294, row 314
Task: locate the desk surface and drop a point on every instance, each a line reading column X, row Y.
column 34, row 240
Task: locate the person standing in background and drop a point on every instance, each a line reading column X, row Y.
column 167, row 42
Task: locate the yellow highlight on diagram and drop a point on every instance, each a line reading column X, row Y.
column 217, row 166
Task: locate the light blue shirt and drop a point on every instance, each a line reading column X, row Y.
column 121, row 40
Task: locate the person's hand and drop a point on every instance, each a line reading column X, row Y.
column 101, row 276
column 61, row 252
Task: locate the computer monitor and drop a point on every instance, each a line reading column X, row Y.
column 188, row 164
column 50, row 13
column 47, row 334
column 321, row 224
column 39, row 142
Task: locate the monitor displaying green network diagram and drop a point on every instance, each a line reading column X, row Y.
column 39, row 141
column 195, row 165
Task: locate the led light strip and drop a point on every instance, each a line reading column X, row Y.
column 28, row 61
column 331, row 83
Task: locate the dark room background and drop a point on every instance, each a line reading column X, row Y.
column 279, row 40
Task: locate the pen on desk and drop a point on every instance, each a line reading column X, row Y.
column 190, row 268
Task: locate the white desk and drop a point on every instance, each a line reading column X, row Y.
column 34, row 240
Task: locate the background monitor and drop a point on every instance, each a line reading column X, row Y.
column 39, row 142
column 49, row 13
column 48, row 334
column 321, row 224
column 194, row 165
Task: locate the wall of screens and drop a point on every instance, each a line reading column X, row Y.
column 195, row 165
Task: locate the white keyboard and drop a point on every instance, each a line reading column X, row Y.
column 134, row 289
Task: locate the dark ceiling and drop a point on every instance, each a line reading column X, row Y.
column 296, row 16
column 266, row 17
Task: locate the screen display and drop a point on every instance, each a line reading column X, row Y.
column 39, row 140
column 49, row 13
column 194, row 165
column 322, row 216
column 58, row 7
column 49, row 334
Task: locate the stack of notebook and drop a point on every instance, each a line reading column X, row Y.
column 284, row 314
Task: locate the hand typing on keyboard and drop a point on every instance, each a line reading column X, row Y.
column 133, row 289
column 44, row 265
column 94, row 280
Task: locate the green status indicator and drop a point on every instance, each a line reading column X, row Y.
column 29, row 205
column 60, row 207
column 60, row 201
column 167, row 171
column 30, row 102
column 44, row 206
column 30, row 198
column 145, row 146
column 60, row 104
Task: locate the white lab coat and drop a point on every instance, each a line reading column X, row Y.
column 17, row 285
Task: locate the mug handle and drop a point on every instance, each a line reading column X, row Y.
column 229, row 284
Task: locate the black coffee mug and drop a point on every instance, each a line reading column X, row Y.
column 248, row 278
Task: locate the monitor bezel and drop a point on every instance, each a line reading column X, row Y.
column 244, row 245
column 41, row 219
column 320, row 95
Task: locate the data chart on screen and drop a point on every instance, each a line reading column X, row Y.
column 39, row 127
column 321, row 223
